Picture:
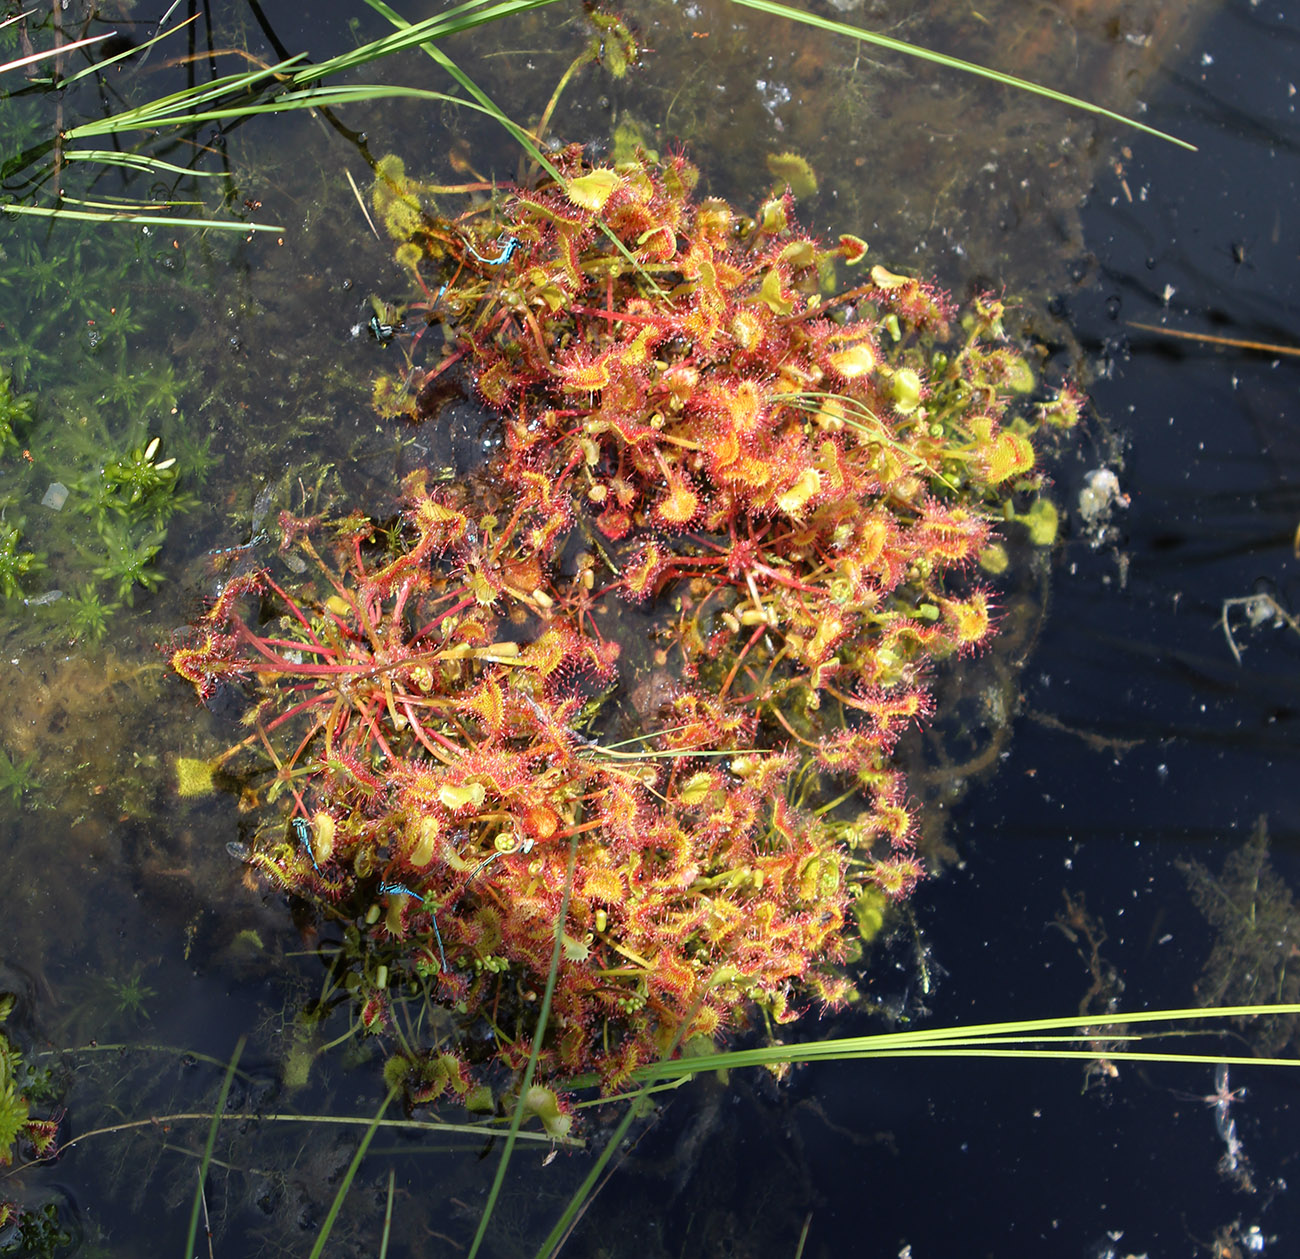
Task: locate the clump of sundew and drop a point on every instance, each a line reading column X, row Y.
column 794, row 479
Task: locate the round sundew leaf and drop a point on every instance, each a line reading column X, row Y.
column 592, row 190
column 854, row 248
column 907, row 391
column 771, row 294
column 856, row 360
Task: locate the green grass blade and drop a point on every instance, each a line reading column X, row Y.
column 128, row 216
column 543, row 1014
column 952, row 63
column 1012, row 1039
column 184, row 103
column 388, row 1217
column 348, row 1177
column 408, row 35
column 217, row 1112
column 60, row 51
column 100, row 66
column 485, row 103
column 307, row 98
column 136, row 161
column 577, row 1203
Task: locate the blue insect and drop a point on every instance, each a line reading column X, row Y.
column 304, row 838
column 508, row 246
column 243, row 546
column 400, row 889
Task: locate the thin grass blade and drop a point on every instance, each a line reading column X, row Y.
column 128, row 216
column 60, row 51
column 349, row 1176
column 133, row 51
column 543, row 1015
column 137, row 161
column 213, row 1127
column 952, row 63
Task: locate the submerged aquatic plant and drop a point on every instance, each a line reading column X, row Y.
column 16, row 777
column 129, row 559
column 1256, row 938
column 15, row 414
column 15, row 564
column 139, row 486
column 130, row 996
column 87, row 615
column 802, row 478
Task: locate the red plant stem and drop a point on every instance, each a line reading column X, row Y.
column 291, row 713
column 424, row 737
column 467, row 602
column 291, row 645
column 295, row 609
column 614, row 316
column 369, row 717
column 287, row 666
column 789, row 729
column 759, row 631
column 594, row 824
column 845, row 699
column 288, row 782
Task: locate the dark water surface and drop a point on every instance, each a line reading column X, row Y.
column 1139, row 741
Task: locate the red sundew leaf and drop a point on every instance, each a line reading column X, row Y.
column 212, row 661
column 644, row 570
column 496, row 383
column 853, row 249
column 680, row 505
column 603, row 884
column 486, row 702
column 580, row 372
column 592, row 190
column 614, row 523
column 948, row 535
column 893, row 711
column 636, row 352
column 924, row 306
column 849, row 752
column 850, row 354
column 968, row 621
column 769, row 771
column 897, row 876
column 549, row 207
column 623, row 425
column 42, row 1133
column 222, row 609
column 1010, row 454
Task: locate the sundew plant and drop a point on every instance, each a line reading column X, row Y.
column 580, row 765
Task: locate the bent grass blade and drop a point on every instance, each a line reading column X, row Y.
column 953, row 63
